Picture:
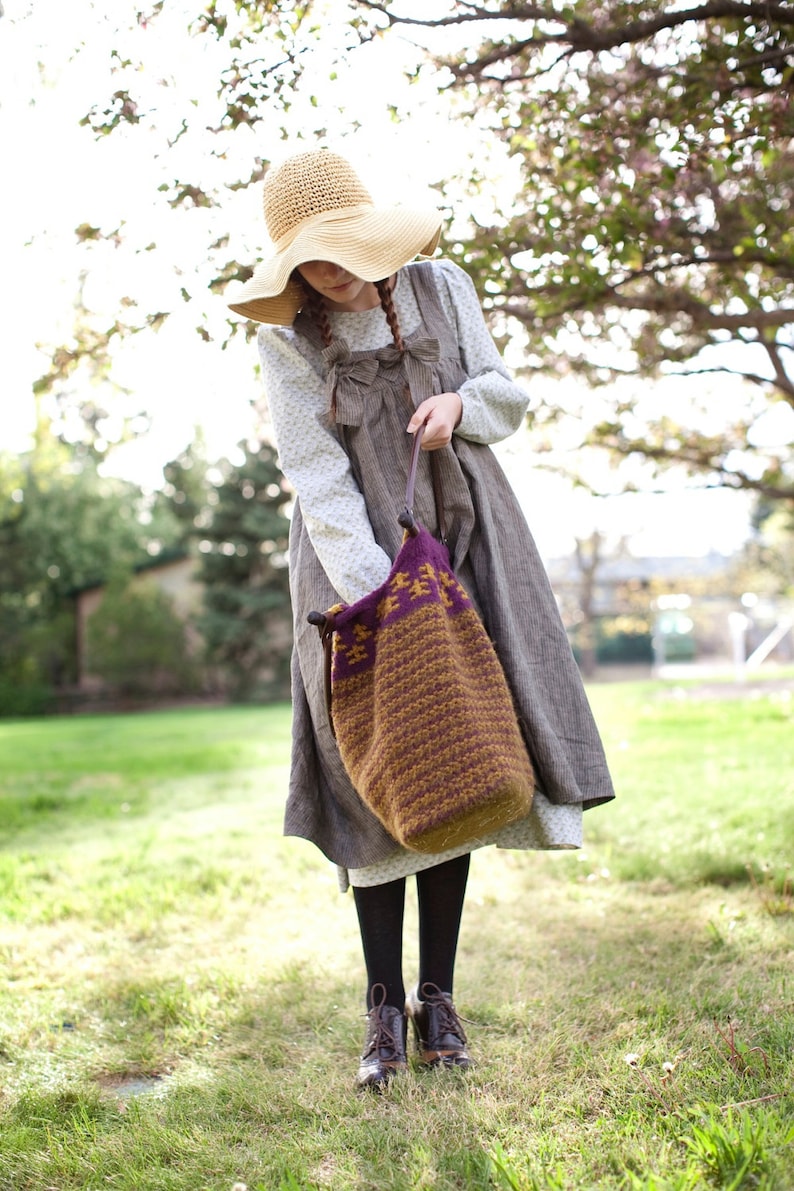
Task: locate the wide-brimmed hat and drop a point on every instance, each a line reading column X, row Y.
column 317, row 209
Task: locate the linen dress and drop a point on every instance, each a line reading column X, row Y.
column 356, row 466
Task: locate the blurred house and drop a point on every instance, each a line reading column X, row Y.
column 175, row 573
column 663, row 609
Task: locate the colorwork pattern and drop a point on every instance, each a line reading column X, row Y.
column 423, row 715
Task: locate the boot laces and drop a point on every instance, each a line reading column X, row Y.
column 380, row 1034
column 442, row 1013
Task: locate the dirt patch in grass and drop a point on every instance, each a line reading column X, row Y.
column 132, row 1084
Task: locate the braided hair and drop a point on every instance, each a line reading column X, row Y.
column 387, row 305
column 318, row 311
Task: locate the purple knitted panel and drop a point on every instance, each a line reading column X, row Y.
column 421, row 574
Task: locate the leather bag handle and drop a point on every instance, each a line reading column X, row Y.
column 406, row 519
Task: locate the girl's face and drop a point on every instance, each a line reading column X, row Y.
column 341, row 290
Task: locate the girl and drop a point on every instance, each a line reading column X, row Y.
column 350, row 326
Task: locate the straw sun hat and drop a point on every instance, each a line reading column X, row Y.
column 317, row 209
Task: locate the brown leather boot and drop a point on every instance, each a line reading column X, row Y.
column 384, row 1047
column 440, row 1038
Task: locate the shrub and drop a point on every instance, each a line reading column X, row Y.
column 137, row 643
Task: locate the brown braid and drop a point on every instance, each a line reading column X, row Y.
column 384, row 293
column 319, row 313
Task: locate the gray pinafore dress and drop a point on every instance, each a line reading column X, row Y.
column 493, row 554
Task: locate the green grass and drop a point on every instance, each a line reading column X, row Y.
column 181, row 989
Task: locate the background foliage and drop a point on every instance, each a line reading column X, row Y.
column 652, row 234
column 624, row 205
column 138, row 644
column 67, row 528
column 243, row 534
column 648, row 233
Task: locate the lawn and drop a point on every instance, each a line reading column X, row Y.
column 181, row 989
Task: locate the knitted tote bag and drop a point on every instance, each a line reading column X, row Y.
column 419, row 704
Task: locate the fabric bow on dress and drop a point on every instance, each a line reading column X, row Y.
column 344, row 371
column 351, row 376
column 417, row 356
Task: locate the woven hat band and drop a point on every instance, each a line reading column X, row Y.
column 326, row 218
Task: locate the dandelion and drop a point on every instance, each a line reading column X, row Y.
column 631, row 1059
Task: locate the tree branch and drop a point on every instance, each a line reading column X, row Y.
column 781, row 381
column 680, row 302
column 701, row 462
column 670, row 302
column 580, row 35
column 476, row 14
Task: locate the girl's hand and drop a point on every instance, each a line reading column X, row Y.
column 441, row 415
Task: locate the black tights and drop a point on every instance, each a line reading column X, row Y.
column 381, row 908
